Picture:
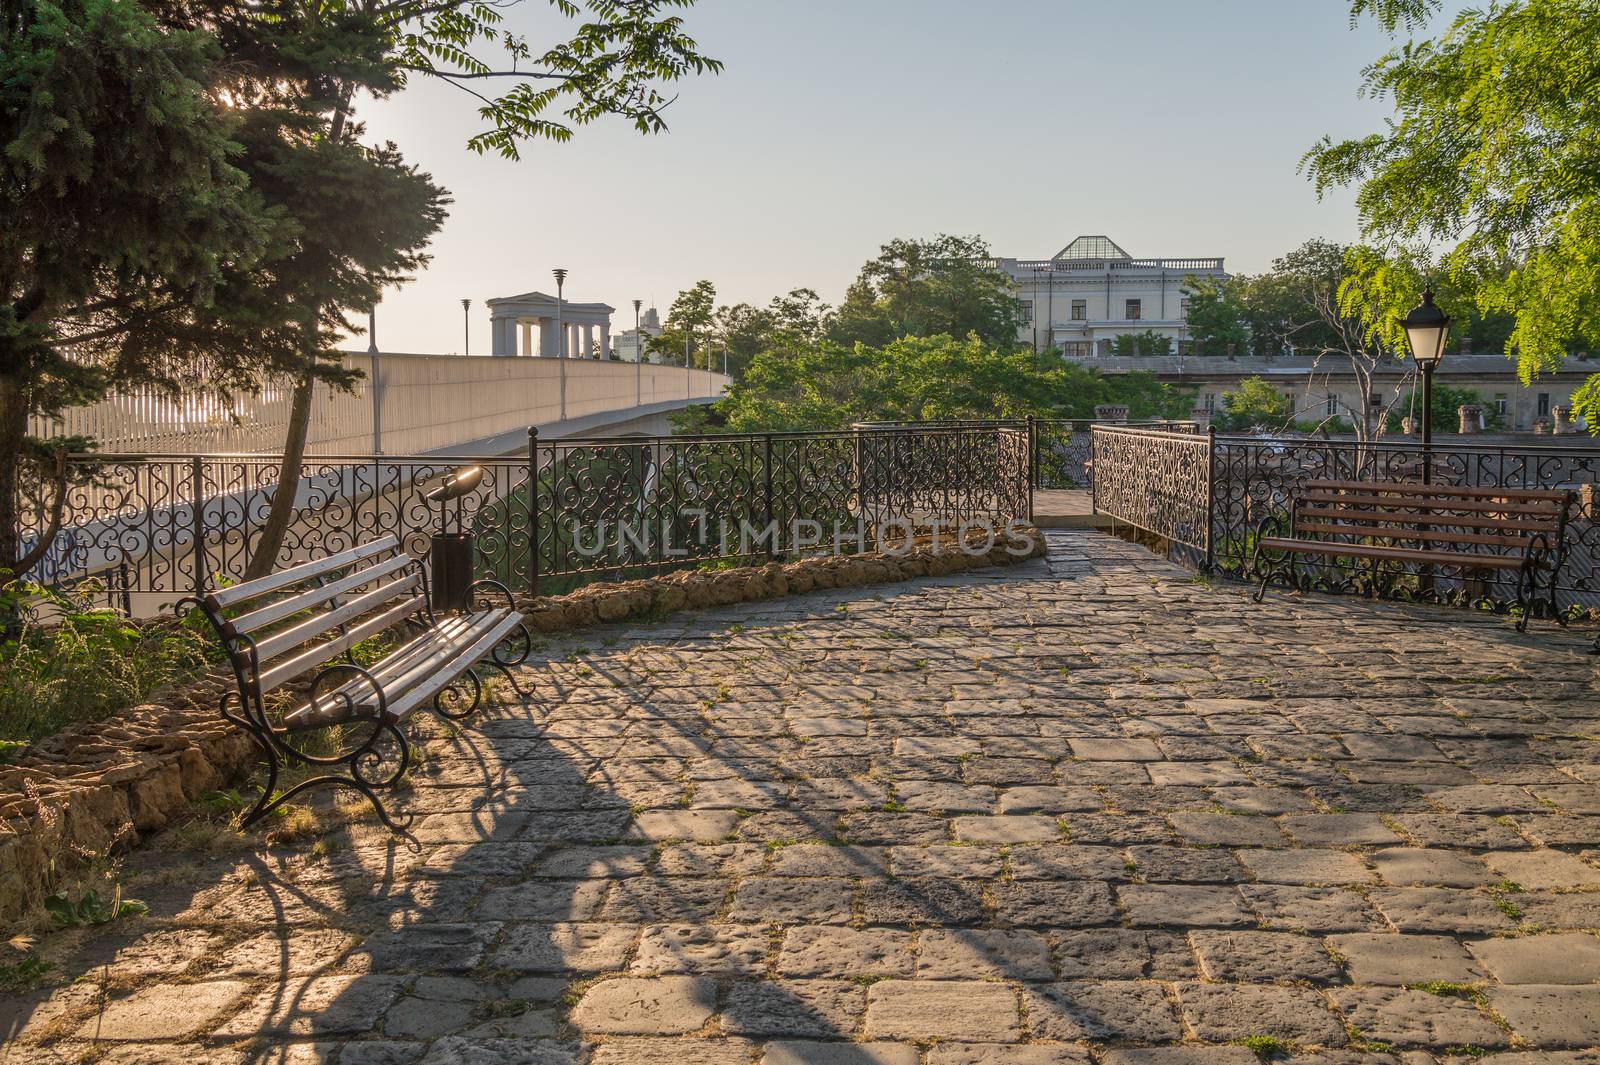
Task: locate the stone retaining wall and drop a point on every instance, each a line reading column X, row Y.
column 97, row 788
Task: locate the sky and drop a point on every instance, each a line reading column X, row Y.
column 1172, row 126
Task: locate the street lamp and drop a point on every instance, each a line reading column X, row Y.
column 466, row 328
column 561, row 339
column 638, row 356
column 1427, row 327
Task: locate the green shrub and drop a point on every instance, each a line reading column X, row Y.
column 65, row 661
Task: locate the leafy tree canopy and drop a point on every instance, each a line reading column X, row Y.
column 916, row 288
column 1491, row 153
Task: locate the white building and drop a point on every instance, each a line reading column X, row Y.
column 1092, row 291
column 629, row 341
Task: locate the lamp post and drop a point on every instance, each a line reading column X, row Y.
column 1427, row 328
column 561, row 338
column 466, row 327
column 638, row 357
column 375, row 387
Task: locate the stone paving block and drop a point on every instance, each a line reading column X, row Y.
column 927, row 900
column 1122, row 954
column 1222, row 1013
column 701, row 949
column 1227, row 831
column 811, row 1009
column 705, row 825
column 816, row 860
column 1430, row 867
column 1555, row 910
column 1183, row 906
column 1192, row 1055
column 320, row 1006
column 588, row 863
column 1543, row 869
column 794, row 1052
column 1071, row 861
column 1070, row 904
column 1238, row 956
column 163, row 1011
column 970, row 953
column 460, row 1050
column 661, row 1005
column 1550, row 1016
column 1440, row 910
column 1339, row 830
column 1186, row 865
column 979, row 863
column 1466, row 831
column 1312, row 909
column 1557, row 958
column 944, row 797
column 1044, row 799
column 1114, row 1010
column 564, row 947
column 1415, row 1018
column 1006, row 1054
column 1305, row 866
column 665, row 898
column 1007, row 829
column 711, row 859
column 435, row 947
column 831, row 951
column 962, row 1010
column 543, row 900
column 1385, row 958
column 672, row 1051
column 1115, row 750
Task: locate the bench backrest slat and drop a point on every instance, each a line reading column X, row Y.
column 315, row 596
column 223, row 598
column 1415, row 488
column 1385, row 532
column 323, row 622
column 1461, row 521
column 1530, row 508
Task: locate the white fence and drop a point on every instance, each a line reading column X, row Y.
column 420, row 402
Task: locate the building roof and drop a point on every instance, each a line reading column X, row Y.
column 1092, row 247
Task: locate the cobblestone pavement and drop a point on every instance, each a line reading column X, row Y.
column 1083, row 809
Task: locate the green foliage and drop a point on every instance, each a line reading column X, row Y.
column 923, row 288
column 83, row 663
column 17, row 975
column 1257, row 404
column 1266, row 1047
column 829, row 385
column 1148, row 342
column 91, row 909
column 1491, row 153
column 1217, row 321
column 1446, row 416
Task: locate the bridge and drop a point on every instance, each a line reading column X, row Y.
column 407, row 405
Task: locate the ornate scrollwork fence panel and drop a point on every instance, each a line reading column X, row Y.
column 1255, row 480
column 567, row 512
column 1156, row 480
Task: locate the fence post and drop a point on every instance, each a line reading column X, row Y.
column 533, row 510
column 197, row 504
column 1211, row 497
column 1094, row 482
column 1033, row 464
column 772, row 541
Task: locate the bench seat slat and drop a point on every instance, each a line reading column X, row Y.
column 326, row 621
column 1397, row 554
column 1414, row 488
column 314, row 656
column 1385, row 532
column 223, row 598
column 314, row 597
column 441, row 678
column 398, row 670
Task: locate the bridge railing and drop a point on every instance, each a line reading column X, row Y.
column 403, row 405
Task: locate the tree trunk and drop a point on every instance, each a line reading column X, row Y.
column 13, row 427
column 264, row 558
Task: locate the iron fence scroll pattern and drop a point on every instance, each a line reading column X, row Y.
column 1155, row 480
column 1063, row 448
column 566, row 512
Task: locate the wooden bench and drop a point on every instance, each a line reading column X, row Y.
column 299, row 630
column 1465, row 530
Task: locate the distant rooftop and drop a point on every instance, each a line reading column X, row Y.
column 1096, row 247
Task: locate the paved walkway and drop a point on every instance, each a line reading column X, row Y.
column 1057, row 813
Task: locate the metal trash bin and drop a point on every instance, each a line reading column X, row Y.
column 451, row 553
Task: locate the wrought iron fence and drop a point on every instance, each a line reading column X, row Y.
column 566, row 512
column 1255, row 480
column 1158, row 480
column 1063, row 449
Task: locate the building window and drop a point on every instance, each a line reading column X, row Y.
column 1544, row 404
column 1500, row 403
column 1210, row 401
column 1080, row 310
column 1131, row 310
column 1026, row 307
column 1183, row 308
column 1078, row 349
column 1332, row 406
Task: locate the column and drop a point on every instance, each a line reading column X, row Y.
column 547, row 338
column 605, row 339
column 572, row 340
column 588, row 340
column 526, row 347
column 503, row 336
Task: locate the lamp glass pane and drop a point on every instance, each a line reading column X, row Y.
column 1427, row 341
